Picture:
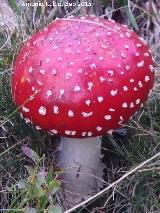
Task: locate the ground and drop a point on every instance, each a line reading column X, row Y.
column 26, row 177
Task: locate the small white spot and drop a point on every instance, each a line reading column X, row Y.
column 131, row 117
column 108, row 117
column 135, row 89
column 139, row 45
column 138, row 101
column 33, row 89
column 77, row 89
column 40, row 83
column 80, row 71
column 92, row 66
column 109, row 33
column 27, row 120
column 54, row 72
column 89, row 134
column 42, row 72
column 38, row 128
column 21, row 115
column 126, row 46
column 140, row 64
column 98, row 128
column 90, row 85
column 146, row 54
column 70, row 132
column 124, row 105
column 56, row 110
column 71, row 63
column 89, row 49
column 30, row 70
column 59, row 58
column 132, row 105
column 101, row 58
column 104, row 46
column 122, row 73
column 70, row 113
column 42, row 110
column 121, row 118
column 137, row 54
column 97, row 34
column 117, row 28
column 55, row 47
column 110, row 131
column 50, row 39
column 140, row 84
column 84, row 134
column 100, row 99
column 147, row 78
column 142, row 39
column 121, row 35
column 68, row 75
column 87, row 114
column 124, row 25
column 151, row 68
column 47, row 60
column 102, row 79
column 131, row 80
column 112, row 110
column 123, row 55
column 54, row 131
column 61, row 93
column 25, row 109
column 49, row 93
column 113, row 92
column 111, row 72
column 127, row 67
column 128, row 34
column 87, row 102
column 125, row 88
column 86, row 58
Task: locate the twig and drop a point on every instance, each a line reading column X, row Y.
column 7, row 150
column 113, row 184
column 106, row 14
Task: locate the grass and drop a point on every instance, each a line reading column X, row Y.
column 138, row 192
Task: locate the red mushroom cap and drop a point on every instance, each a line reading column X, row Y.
column 81, row 77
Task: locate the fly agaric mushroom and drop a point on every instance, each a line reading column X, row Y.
column 80, row 78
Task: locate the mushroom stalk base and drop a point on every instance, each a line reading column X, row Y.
column 83, row 169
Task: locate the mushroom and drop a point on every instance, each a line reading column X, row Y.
column 80, row 78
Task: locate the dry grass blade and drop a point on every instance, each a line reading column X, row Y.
column 132, row 171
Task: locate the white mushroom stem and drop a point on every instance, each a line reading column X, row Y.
column 83, row 170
